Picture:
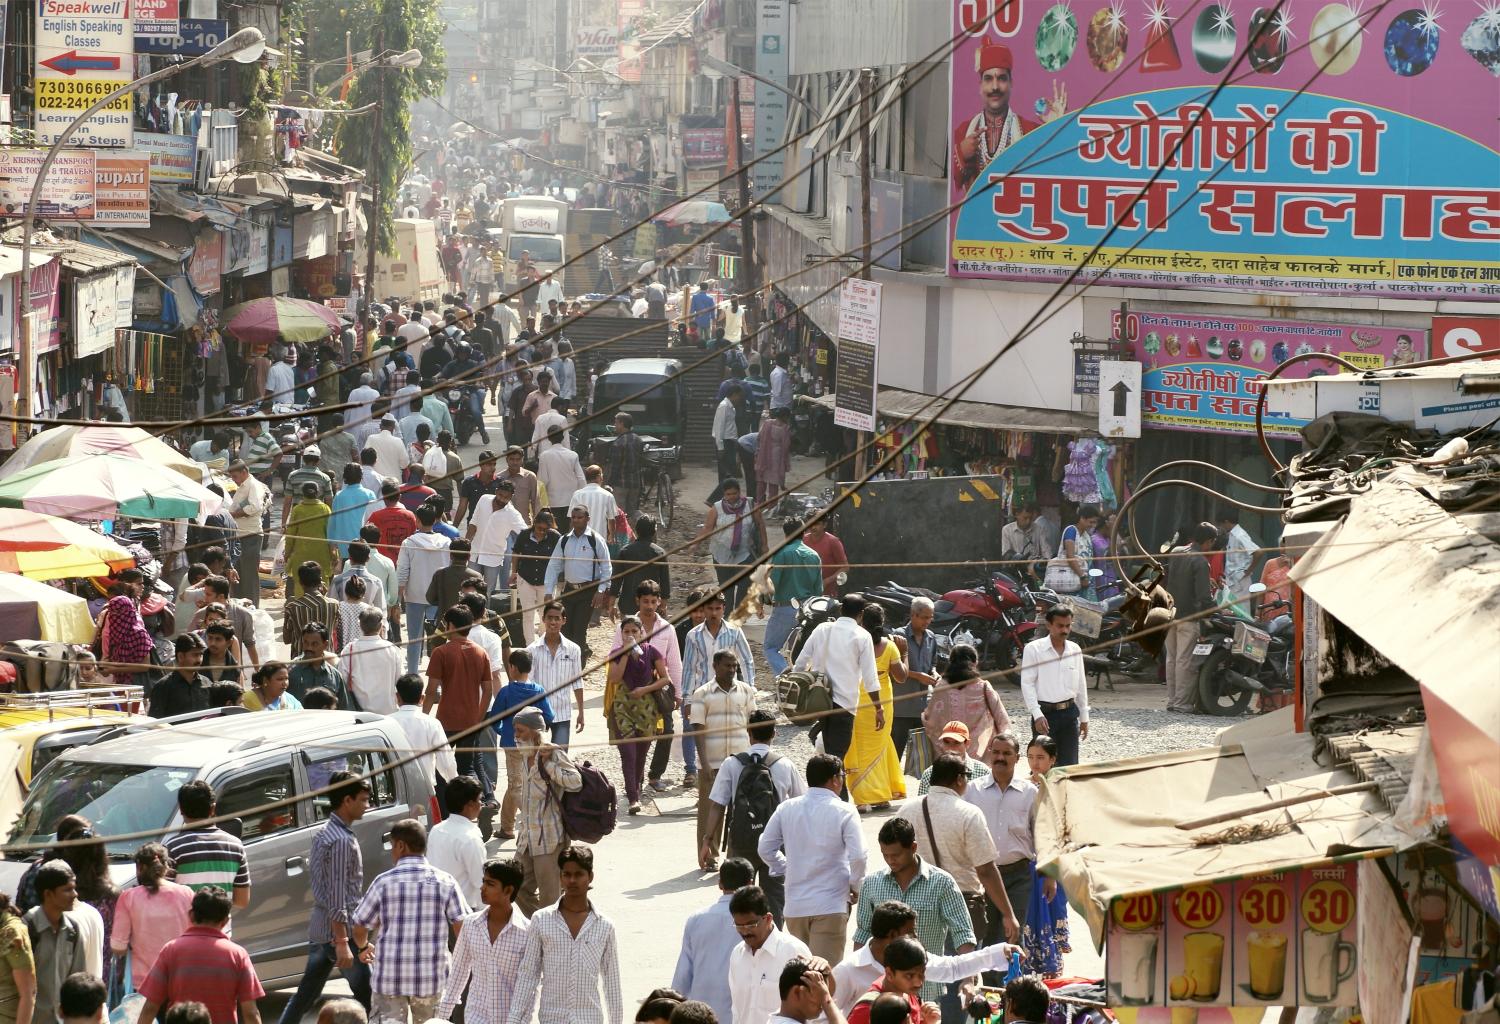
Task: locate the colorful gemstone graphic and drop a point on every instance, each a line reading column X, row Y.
column 1215, row 347
column 1279, row 353
column 1411, row 43
column 1336, row 39
column 1235, row 349
column 1152, row 343
column 1257, row 351
column 1161, row 45
column 1481, row 40
column 1056, row 37
column 1268, row 39
column 1173, row 345
column 1213, row 38
column 1194, row 350
column 1107, row 38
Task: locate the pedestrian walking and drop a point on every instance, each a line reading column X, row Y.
column 700, row 644
column 247, row 507
column 637, row 672
column 491, row 945
column 749, row 788
column 59, row 938
column 312, row 605
column 391, row 453
column 318, row 667
column 967, row 697
column 336, row 878
column 540, row 837
column 492, row 529
column 422, row 555
column 571, row 955
column 414, row 908
column 709, row 937
column 720, row 716
column 1044, row 930
column 203, row 855
column 1192, row 595
column 560, row 472
column 203, row 965
column 755, row 964
column 455, row 845
column 806, row 988
column 519, row 692
column 18, row 980
column 954, row 740
column 557, row 667
column 813, row 841
column 578, row 574
column 660, row 634
column 736, row 534
column 531, row 551
column 150, row 913
column 460, row 683
column 795, row 577
column 624, row 463
column 726, row 432
column 913, row 675
column 1054, row 686
column 310, row 472
column 424, row 733
column 371, row 664
column 1008, row 802
column 773, row 455
column 843, row 651
column 874, row 769
column 641, row 560
column 598, row 500
column 351, row 506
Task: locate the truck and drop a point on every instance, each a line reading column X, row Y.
column 414, row 270
column 536, row 225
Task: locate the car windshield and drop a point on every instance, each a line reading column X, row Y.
column 542, row 248
column 117, row 798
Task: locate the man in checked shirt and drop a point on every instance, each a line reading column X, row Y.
column 336, row 875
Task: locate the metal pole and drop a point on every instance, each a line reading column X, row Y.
column 866, row 88
column 746, row 279
column 28, row 220
column 372, row 230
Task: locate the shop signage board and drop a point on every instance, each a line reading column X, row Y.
column 189, row 37
column 1285, row 939
column 157, row 17
column 174, row 158
column 207, row 262
column 596, row 42
column 123, row 189
column 772, row 63
column 1460, row 335
column 859, row 355
column 85, row 50
column 1119, row 394
column 1266, row 190
column 1204, row 373
column 44, row 306
column 69, row 191
column 702, row 147
column 94, row 313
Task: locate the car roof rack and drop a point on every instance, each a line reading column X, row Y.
column 89, row 700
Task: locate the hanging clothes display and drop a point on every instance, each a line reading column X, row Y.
column 1103, row 453
column 1079, row 483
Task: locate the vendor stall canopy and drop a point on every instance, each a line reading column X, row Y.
column 897, row 403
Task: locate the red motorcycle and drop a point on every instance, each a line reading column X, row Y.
column 996, row 617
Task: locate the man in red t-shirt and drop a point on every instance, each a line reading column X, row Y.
column 459, row 682
column 905, row 972
column 830, row 552
column 394, row 522
column 202, row 965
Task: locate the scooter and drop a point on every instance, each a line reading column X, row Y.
column 464, row 423
column 1237, row 659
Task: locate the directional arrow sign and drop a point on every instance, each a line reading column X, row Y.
column 72, row 62
column 1119, row 398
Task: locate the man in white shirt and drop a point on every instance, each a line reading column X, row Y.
column 781, row 383
column 842, row 649
column 391, row 453
column 494, row 523
column 250, row 501
column 423, row 732
column 455, row 844
column 1008, row 802
column 756, row 963
column 814, row 842
column 361, row 396
column 421, row 556
column 550, row 290
column 600, row 502
column 281, row 379
column 952, row 834
column 372, row 664
column 1054, row 687
column 1239, row 553
column 560, row 472
column 785, row 783
column 893, row 920
column 555, row 418
column 726, row 433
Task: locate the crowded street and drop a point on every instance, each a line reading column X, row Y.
column 749, row 512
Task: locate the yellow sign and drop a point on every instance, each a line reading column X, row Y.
column 1137, row 913
column 71, row 94
column 1327, row 906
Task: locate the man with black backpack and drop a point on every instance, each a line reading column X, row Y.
column 814, row 843
column 747, row 790
column 541, row 832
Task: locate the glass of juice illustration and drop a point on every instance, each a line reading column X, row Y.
column 1266, row 951
column 1138, row 968
column 1203, row 964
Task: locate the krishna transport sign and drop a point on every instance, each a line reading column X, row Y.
column 1379, row 179
column 85, row 50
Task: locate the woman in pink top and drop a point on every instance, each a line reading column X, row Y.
column 151, row 914
column 964, row 697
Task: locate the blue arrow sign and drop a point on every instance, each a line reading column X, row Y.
column 194, row 37
column 72, row 62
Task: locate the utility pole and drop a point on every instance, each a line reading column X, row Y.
column 866, row 88
column 372, row 230
column 747, row 279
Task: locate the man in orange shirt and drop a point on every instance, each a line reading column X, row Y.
column 461, row 684
column 830, row 552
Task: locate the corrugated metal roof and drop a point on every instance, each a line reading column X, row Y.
column 898, row 403
column 82, row 258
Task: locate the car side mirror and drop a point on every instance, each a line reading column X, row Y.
column 234, row 827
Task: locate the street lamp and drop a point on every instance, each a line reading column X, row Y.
column 244, row 47
column 387, row 59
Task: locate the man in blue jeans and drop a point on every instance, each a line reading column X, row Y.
column 421, row 556
column 336, row 878
column 796, row 575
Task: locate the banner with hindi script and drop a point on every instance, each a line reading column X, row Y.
column 1382, row 178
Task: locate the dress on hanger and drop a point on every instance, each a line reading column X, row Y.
column 1103, row 452
column 1079, row 483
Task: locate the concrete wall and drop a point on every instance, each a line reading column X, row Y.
column 832, row 35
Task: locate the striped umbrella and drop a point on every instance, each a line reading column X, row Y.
column 45, row 547
column 126, row 442
column 262, row 321
column 99, row 487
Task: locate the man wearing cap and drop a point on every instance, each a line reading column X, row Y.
column 955, row 740
column 496, row 521
column 251, row 499
column 310, row 472
column 391, row 454
column 997, row 126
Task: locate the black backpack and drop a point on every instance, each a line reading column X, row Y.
column 754, row 801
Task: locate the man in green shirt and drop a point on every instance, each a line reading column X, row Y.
column 796, row 575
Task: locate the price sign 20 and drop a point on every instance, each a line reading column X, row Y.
column 1199, row 906
column 1137, row 913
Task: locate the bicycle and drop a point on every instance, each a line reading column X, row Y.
column 657, row 464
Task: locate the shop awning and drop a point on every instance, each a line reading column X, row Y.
column 1396, row 542
column 1109, row 829
column 898, row 403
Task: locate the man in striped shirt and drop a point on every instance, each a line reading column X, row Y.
column 206, row 856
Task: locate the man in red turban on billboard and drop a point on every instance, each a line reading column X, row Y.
column 992, row 131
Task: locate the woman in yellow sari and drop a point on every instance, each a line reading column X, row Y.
column 872, row 767
column 307, row 538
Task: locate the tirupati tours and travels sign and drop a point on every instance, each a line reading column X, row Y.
column 1379, row 178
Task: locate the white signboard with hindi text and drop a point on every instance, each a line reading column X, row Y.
column 858, row 355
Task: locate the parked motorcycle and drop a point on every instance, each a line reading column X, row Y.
column 811, row 614
column 997, row 616
column 1237, row 659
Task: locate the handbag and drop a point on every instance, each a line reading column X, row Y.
column 1060, row 575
